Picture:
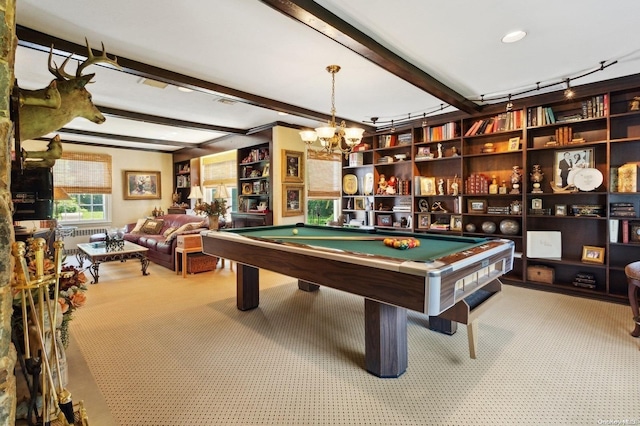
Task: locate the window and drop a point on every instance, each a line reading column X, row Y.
column 323, row 194
column 86, row 177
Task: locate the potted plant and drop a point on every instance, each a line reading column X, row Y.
column 213, row 210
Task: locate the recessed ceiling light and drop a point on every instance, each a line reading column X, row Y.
column 185, row 89
column 514, row 36
column 282, row 113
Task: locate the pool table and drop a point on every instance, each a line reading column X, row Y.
column 430, row 279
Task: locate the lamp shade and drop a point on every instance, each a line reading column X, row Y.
column 196, row 193
column 308, row 136
column 60, row 194
column 325, row 132
column 353, row 135
column 221, row 191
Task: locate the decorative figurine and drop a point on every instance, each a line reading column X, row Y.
column 382, row 185
column 440, row 150
column 536, row 178
column 454, row 186
column 454, row 151
column 634, row 105
column 493, row 187
column 516, row 176
column 440, row 186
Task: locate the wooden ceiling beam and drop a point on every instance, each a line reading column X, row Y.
column 320, row 19
column 40, row 41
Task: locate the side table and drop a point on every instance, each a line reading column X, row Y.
column 187, row 244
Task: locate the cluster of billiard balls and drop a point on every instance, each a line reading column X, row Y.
column 401, row 244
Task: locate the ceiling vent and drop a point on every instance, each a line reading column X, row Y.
column 152, row 83
column 226, row 101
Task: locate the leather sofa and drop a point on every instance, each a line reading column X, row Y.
column 161, row 244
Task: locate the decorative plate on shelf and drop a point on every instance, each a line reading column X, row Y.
column 368, row 184
column 350, row 184
column 587, row 179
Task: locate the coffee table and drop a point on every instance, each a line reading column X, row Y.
column 99, row 252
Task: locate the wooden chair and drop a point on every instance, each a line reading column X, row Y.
column 632, row 271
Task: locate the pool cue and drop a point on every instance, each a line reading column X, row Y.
column 298, row 237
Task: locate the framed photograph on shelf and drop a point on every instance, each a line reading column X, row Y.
column 427, row 186
column 593, row 254
column 385, row 220
column 514, row 144
column 561, row 209
column 292, row 200
column 247, row 188
column 568, row 162
column 424, row 220
column 266, row 170
column 456, row 223
column 476, row 206
column 292, row 166
column 634, row 232
column 141, row 185
column 359, row 203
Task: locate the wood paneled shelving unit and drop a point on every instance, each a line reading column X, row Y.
column 599, row 123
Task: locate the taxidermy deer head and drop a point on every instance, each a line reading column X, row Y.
column 75, row 101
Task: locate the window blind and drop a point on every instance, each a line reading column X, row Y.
column 83, row 173
column 323, row 173
column 220, row 168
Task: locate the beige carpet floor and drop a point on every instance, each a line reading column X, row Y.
column 163, row 350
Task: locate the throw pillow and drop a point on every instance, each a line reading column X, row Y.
column 170, row 230
column 152, row 226
column 136, row 229
column 184, row 228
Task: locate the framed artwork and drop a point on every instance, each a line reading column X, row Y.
column 427, row 186
column 293, row 166
column 359, row 203
column 634, row 232
column 561, row 209
column 424, row 220
column 385, row 220
column 456, row 223
column 569, row 162
column 140, row 185
column 536, row 203
column 247, row 188
column 292, row 200
column 266, row 170
column 476, row 206
column 514, row 144
column 593, row 254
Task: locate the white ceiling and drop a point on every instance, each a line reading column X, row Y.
column 250, row 47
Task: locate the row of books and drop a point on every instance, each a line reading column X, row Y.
column 388, row 141
column 622, row 210
column 628, row 230
column 510, row 120
column 477, row 184
column 439, row 133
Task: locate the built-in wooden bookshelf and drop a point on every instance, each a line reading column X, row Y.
column 474, row 176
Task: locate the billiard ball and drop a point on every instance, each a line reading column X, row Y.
column 295, row 232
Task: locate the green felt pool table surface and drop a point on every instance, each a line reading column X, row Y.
column 431, row 246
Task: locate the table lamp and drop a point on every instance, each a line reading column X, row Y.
column 59, row 194
column 195, row 194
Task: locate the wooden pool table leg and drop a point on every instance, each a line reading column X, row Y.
column 307, row 286
column 385, row 339
column 247, row 287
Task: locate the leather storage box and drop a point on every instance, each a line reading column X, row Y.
column 189, row 241
column 198, row 262
column 540, row 274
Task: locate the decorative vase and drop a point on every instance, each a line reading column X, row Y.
column 536, row 178
column 516, row 176
column 213, row 222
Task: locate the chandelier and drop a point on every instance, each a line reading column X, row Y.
column 334, row 136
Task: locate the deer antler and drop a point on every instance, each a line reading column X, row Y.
column 91, row 59
column 60, row 73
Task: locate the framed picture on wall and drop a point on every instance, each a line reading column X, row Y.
column 292, row 200
column 292, row 166
column 140, row 185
